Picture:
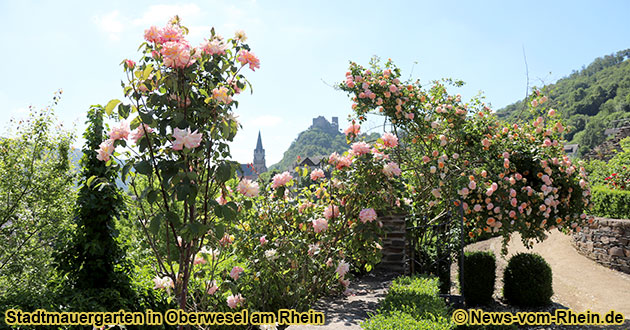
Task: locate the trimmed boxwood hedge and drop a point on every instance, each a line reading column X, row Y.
column 479, row 277
column 610, row 203
column 527, row 281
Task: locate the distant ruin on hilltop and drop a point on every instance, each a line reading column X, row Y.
column 322, row 123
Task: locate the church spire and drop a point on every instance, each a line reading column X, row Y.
column 259, row 143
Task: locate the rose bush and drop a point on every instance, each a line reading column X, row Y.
column 505, row 177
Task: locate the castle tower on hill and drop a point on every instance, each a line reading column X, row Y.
column 322, row 123
column 259, row 157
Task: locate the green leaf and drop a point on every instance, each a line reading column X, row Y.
column 172, row 217
column 152, row 196
column 154, row 226
column 224, row 172
column 90, row 180
column 110, row 106
column 143, row 167
column 147, row 72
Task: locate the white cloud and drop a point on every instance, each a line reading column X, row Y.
column 111, row 24
column 160, row 14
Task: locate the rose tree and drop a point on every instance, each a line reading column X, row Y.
column 176, row 155
column 505, row 177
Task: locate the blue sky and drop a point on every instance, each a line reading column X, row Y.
column 304, row 47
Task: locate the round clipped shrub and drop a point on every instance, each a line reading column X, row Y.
column 527, row 281
column 479, row 277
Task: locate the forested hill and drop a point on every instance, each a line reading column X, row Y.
column 314, row 142
column 590, row 100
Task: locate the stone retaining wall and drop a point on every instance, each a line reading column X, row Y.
column 606, row 241
column 394, row 244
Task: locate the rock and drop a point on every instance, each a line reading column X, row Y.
column 616, row 251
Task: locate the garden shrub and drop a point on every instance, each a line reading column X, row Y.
column 611, row 203
column 527, row 280
column 479, row 277
column 412, row 303
column 397, row 320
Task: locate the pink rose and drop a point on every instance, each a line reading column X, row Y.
column 353, row 129
column 332, row 211
column 222, row 95
column 320, row 225
column 120, row 132
column 184, row 138
column 343, row 268
column 317, row 174
column 212, row 287
column 391, row 169
column 106, row 148
column 281, row 179
column 234, row 301
column 361, row 148
column 152, row 34
column 236, row 271
column 246, row 57
column 248, row 188
column 214, row 47
column 390, row 140
column 139, row 132
column 367, row 215
column 263, row 240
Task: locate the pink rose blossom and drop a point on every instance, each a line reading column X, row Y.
column 361, row 148
column 390, row 140
column 184, row 138
column 353, row 129
column 106, row 148
column 281, row 179
column 177, row 54
column 130, row 64
column 222, row 95
column 317, row 174
column 152, row 34
column 163, row 283
column 248, row 188
column 120, row 132
column 391, row 169
column 171, row 33
column 234, row 301
column 212, row 287
column 199, row 260
column 320, row 225
column 214, row 47
column 477, row 208
column 332, row 211
column 263, row 240
column 235, row 272
column 367, row 215
column 246, row 57
column 552, row 113
column 138, row 133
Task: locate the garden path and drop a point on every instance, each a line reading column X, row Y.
column 348, row 312
column 578, row 282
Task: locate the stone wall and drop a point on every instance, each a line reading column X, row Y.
column 606, row 241
column 395, row 249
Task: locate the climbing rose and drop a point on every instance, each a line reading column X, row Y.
column 240, row 35
column 171, row 33
column 199, row 260
column 331, row 211
column 184, row 138
column 367, row 215
column 120, row 132
column 152, row 34
column 246, row 57
column 281, row 179
column 212, row 289
column 163, row 283
column 390, row 140
column 353, row 129
column 234, row 300
column 106, row 148
column 221, row 95
column 343, row 268
column 361, row 148
column 236, row 271
column 214, row 47
column 391, row 169
column 138, row 133
column 317, row 174
column 178, row 54
column 320, row 225
column 248, row 188
column 130, row 64
column 263, row 240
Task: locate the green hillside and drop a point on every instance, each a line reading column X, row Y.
column 590, row 100
column 315, row 142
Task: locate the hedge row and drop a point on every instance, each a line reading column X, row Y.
column 610, row 203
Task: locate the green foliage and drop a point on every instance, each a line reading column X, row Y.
column 315, row 142
column 527, row 280
column 36, row 200
column 397, row 320
column 479, row 277
column 411, row 303
column 610, row 203
column 589, row 99
column 95, row 271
